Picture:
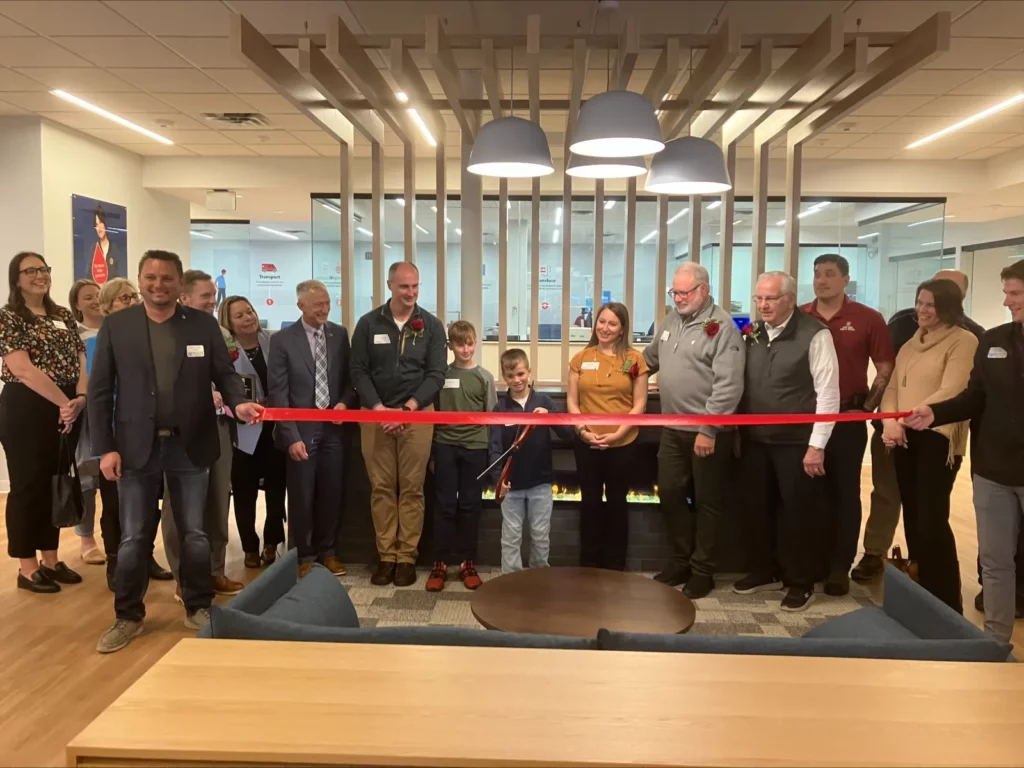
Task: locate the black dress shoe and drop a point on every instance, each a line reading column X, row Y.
column 61, row 574
column 39, row 582
column 979, row 601
column 383, row 575
column 698, row 585
column 837, row 585
column 405, row 574
column 674, row 575
column 157, row 572
column 869, row 568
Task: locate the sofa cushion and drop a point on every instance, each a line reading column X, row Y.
column 928, row 650
column 921, row 612
column 263, row 591
column 316, row 599
column 870, row 623
column 226, row 623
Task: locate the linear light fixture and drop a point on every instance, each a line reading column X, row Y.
column 365, row 231
column 554, row 237
column 933, row 242
column 869, row 234
column 458, row 232
column 968, row 121
column 278, row 232
column 423, row 127
column 678, row 216
column 780, row 223
column 738, row 221
column 110, row 116
column 814, row 209
column 648, row 236
column 421, row 229
column 930, row 221
column 402, row 97
column 558, row 216
column 331, row 208
column 609, row 204
column 200, row 234
column 712, row 206
column 400, row 201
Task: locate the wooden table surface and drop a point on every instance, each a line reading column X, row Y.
column 580, row 601
column 275, row 703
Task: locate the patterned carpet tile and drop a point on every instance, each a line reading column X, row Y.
column 721, row 613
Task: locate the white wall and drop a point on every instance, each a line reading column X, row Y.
column 75, row 164
column 21, row 193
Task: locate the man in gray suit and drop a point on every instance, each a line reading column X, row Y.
column 309, row 368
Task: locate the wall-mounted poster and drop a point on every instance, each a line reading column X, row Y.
column 100, row 232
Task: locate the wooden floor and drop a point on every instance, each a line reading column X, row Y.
column 53, row 683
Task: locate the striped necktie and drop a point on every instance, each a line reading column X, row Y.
column 323, row 390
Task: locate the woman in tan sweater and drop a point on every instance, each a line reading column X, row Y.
column 933, row 366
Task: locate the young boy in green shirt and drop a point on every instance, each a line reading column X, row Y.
column 460, row 456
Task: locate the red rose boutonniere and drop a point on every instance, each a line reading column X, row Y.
column 634, row 371
column 629, row 367
column 233, row 353
column 711, row 327
column 413, row 329
column 750, row 333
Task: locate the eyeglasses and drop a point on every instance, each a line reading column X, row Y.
column 766, row 299
column 36, row 271
column 677, row 295
column 127, row 299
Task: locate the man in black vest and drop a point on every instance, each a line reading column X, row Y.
column 791, row 368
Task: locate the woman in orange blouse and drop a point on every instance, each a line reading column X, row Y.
column 609, row 376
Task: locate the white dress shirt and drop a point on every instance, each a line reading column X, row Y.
column 824, row 366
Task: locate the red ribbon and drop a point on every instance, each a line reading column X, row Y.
column 566, row 419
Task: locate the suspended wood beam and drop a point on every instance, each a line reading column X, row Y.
column 318, row 70
column 696, row 219
column 598, row 244
column 441, row 203
column 580, row 64
column 492, row 83
column 377, row 220
column 533, row 65
column 820, row 48
column 523, row 105
column 533, row 79
column 724, row 288
column 503, row 267
column 409, row 78
column 345, row 52
column 661, row 274
column 704, row 80
column 628, row 51
column 737, row 91
column 566, row 319
column 759, row 233
column 627, row 288
column 409, row 195
column 791, row 229
column 664, row 74
column 441, row 58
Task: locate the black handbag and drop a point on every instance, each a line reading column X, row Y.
column 68, row 506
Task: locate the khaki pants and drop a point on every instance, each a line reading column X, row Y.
column 397, row 465
column 885, row 500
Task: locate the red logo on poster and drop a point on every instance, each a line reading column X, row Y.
column 270, row 302
column 545, row 305
column 268, row 268
column 99, row 266
column 543, row 270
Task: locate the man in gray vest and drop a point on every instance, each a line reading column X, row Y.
column 699, row 358
column 791, row 368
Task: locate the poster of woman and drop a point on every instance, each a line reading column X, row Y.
column 100, row 232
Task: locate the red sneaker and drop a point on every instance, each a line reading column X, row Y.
column 470, row 578
column 438, row 576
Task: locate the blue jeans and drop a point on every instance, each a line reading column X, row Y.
column 535, row 503
column 140, row 515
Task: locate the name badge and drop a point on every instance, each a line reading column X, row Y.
column 195, row 350
column 452, row 383
column 595, row 366
column 997, row 353
column 59, row 325
column 664, row 335
column 381, row 338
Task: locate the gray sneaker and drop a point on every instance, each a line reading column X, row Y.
column 197, row 620
column 119, row 635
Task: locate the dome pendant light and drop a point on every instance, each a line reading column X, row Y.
column 605, row 168
column 511, row 147
column 617, row 124
column 688, row 166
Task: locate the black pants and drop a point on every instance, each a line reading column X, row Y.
column 30, row 434
column 926, row 481
column 604, row 524
column 784, row 509
column 315, row 495
column 459, row 501
column 844, row 457
column 269, row 464
column 110, row 520
column 684, row 477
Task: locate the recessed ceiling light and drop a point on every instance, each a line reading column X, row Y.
column 421, row 229
column 678, row 215
column 869, row 234
column 648, row 236
column 814, row 209
column 933, row 242
column 278, row 232
column 968, row 121
column 400, row 201
column 930, row 221
column 433, row 208
column 331, row 207
column 780, row 223
column 458, row 232
column 738, row 221
column 554, row 236
column 427, row 135
column 110, row 116
column 365, row 231
column 402, row 97
column 558, row 216
column 609, row 204
column 712, row 206
column 200, row 234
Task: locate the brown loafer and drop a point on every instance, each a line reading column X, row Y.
column 222, row 585
column 305, row 568
column 383, row 575
column 334, row 565
column 252, row 560
column 405, row 575
column 269, row 555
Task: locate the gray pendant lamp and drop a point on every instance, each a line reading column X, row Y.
column 511, row 147
column 688, row 166
column 605, row 167
column 617, row 124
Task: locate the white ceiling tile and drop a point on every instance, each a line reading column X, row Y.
column 885, row 141
column 195, row 103
column 855, row 153
column 292, row 18
column 240, row 81
column 263, row 138
column 891, row 106
column 68, row 17
column 42, row 101
column 116, row 135
column 9, row 29
column 123, row 51
column 917, row 126
column 818, row 153
column 962, row 106
column 977, row 53
column 332, row 151
column 835, row 140
column 995, row 82
column 1017, row 63
column 13, row 81
column 991, row 19
column 167, row 121
column 271, row 104
column 794, row 15
column 897, row 16
column 861, row 124
column 283, row 150
column 10, row 109
column 962, row 143
column 315, row 138
column 81, row 120
column 36, row 52
column 983, row 154
column 186, row 18
column 201, row 136
column 928, row 82
column 78, row 79
column 1015, row 141
column 294, row 123
column 170, row 80
column 155, row 148
column 125, row 103
column 205, row 52
column 222, row 150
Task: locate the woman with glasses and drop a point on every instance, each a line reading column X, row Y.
column 116, row 294
column 44, row 392
column 256, row 457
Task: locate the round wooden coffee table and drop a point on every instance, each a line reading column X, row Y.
column 580, row 601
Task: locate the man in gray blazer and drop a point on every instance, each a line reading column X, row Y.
column 309, row 368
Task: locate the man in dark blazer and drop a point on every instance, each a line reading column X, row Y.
column 149, row 399
column 309, row 368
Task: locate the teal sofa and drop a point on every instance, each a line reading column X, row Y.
column 910, row 624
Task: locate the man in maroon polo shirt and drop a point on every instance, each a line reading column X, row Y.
column 860, row 334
